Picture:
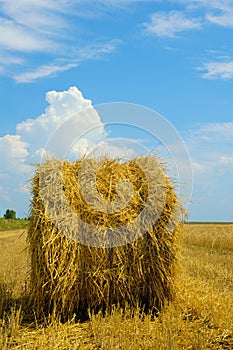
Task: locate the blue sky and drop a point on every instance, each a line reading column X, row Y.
column 175, row 57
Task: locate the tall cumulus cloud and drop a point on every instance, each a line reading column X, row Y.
column 19, row 151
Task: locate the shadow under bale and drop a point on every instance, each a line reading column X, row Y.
column 85, row 256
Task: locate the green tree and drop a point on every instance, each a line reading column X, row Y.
column 10, row 214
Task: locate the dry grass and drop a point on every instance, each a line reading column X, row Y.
column 69, row 277
column 211, row 236
column 199, row 318
column 14, row 262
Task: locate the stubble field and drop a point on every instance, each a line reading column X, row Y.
column 199, row 318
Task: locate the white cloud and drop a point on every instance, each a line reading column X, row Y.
column 199, row 167
column 219, row 12
column 225, row 20
column 13, row 153
column 67, row 119
column 80, row 148
column 210, row 146
column 41, row 72
column 209, row 4
column 54, row 29
column 214, row 132
column 63, row 107
column 97, row 50
column 217, row 70
column 15, row 37
column 223, row 130
column 8, row 59
column 168, row 24
column 39, row 16
column 227, row 159
column 119, row 150
column 86, row 53
column 69, row 128
column 51, row 28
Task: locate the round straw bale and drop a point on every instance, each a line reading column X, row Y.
column 117, row 261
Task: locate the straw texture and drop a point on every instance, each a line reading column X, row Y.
column 72, row 269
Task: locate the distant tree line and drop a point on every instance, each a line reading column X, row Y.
column 10, row 214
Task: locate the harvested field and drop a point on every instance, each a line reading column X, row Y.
column 199, row 318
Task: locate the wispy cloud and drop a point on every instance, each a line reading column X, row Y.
column 213, row 132
column 15, row 37
column 217, row 70
column 86, row 53
column 210, row 146
column 225, row 19
column 196, row 14
column 50, row 28
column 227, row 159
column 8, row 61
column 56, row 30
column 208, row 4
column 199, row 167
column 40, row 16
column 223, row 130
column 169, row 24
column 41, row 72
column 219, row 12
column 96, row 51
